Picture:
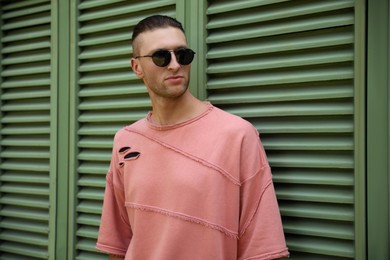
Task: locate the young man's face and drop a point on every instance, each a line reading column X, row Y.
column 162, row 82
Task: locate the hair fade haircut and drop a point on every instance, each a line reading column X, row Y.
column 155, row 22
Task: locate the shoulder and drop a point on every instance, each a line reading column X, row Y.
column 231, row 122
column 125, row 133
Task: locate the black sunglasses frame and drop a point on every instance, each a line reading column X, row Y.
column 162, row 57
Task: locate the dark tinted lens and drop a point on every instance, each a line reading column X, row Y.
column 184, row 56
column 161, row 58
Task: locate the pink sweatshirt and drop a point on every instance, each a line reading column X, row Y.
column 201, row 189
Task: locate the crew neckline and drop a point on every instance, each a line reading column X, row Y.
column 159, row 127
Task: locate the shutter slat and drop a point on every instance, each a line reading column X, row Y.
column 287, row 109
column 92, row 220
column 109, row 78
column 318, row 228
column 282, row 28
column 19, row 83
column 32, row 34
column 222, row 7
column 314, row 177
column 21, row 177
column 90, row 194
column 269, row 14
column 30, row 130
column 330, row 247
column 21, row 237
column 86, row 245
column 131, row 116
column 114, row 104
column 100, row 129
column 92, row 142
column 92, row 181
column 36, row 105
column 19, row 188
column 23, row 249
column 90, row 255
column 26, row 59
column 26, row 71
column 309, row 75
column 104, row 39
column 310, row 160
column 26, row 47
column 277, row 44
column 109, row 65
column 309, row 125
column 94, row 168
column 22, row 24
column 317, row 193
column 111, row 25
column 284, row 61
column 308, row 143
column 24, row 213
column 25, row 165
column 86, row 5
column 326, row 211
column 114, row 90
column 309, row 92
column 117, row 11
column 25, row 153
column 95, row 155
column 25, row 118
column 27, row 11
column 106, row 51
column 36, row 227
column 22, row 4
column 31, row 202
column 92, row 207
column 26, row 95
column 88, row 231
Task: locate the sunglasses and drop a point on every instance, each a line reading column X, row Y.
column 162, row 57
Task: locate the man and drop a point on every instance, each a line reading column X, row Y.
column 189, row 181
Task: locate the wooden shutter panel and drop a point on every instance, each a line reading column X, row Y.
column 110, row 96
column 288, row 67
column 25, row 213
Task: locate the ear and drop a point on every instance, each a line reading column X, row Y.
column 137, row 68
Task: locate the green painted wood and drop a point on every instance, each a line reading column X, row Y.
column 28, row 119
column 288, row 67
column 378, row 130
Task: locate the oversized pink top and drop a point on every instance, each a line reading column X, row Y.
column 201, row 189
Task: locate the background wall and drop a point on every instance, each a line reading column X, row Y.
column 297, row 70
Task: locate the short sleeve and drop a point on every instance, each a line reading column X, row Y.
column 115, row 231
column 261, row 233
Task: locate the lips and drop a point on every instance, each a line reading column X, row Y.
column 175, row 79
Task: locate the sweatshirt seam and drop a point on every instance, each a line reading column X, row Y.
column 275, row 254
column 255, row 174
column 111, row 249
column 190, row 156
column 254, row 211
column 183, row 217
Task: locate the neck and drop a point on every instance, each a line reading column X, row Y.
column 176, row 110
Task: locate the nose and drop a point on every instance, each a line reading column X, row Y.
column 173, row 65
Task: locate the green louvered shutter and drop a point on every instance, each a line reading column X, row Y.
column 288, row 67
column 110, row 97
column 27, row 123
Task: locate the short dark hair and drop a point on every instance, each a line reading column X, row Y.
column 155, row 22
